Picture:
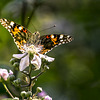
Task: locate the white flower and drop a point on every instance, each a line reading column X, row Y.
column 36, row 61
column 4, row 73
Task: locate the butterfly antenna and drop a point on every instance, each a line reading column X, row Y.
column 32, row 24
column 49, row 28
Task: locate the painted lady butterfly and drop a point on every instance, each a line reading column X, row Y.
column 24, row 39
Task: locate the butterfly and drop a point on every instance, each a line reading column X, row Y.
column 24, row 39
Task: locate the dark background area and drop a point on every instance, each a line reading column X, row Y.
column 75, row 73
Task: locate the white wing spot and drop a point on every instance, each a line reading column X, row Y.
column 61, row 40
column 5, row 20
column 52, row 36
column 20, row 28
column 55, row 45
column 9, row 30
column 68, row 36
column 12, row 23
column 2, row 23
column 9, row 26
column 61, row 36
column 59, row 44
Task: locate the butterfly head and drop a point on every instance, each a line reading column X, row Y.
column 36, row 34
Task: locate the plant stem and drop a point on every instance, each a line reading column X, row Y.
column 30, row 82
column 37, row 76
column 30, row 85
column 8, row 90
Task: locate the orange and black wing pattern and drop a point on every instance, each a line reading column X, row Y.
column 20, row 34
column 53, row 40
column 23, row 37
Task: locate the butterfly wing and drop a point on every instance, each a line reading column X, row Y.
column 24, row 37
column 51, row 41
column 20, row 34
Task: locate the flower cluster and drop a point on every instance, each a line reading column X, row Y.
column 39, row 95
column 34, row 61
column 4, row 73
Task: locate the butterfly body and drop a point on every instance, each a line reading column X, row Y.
column 26, row 40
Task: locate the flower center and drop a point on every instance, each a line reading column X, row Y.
column 33, row 49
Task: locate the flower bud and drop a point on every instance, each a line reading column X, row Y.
column 11, row 78
column 16, row 64
column 46, row 67
column 13, row 60
column 30, row 98
column 16, row 98
column 23, row 93
column 28, row 94
column 17, row 82
column 38, row 90
column 14, row 83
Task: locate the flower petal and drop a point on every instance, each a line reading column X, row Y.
column 42, row 94
column 49, row 59
column 24, row 63
column 47, row 98
column 36, row 61
column 10, row 72
column 19, row 56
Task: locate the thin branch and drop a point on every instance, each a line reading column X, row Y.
column 32, row 80
column 37, row 76
column 8, row 90
column 26, row 73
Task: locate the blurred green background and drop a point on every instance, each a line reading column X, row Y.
column 75, row 73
